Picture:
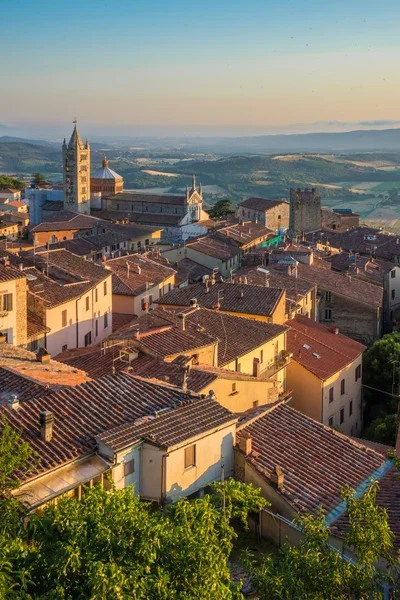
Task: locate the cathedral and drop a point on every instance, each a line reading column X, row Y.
column 102, row 195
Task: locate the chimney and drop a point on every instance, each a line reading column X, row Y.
column 256, row 367
column 139, row 270
column 5, row 261
column 43, row 356
column 46, row 425
column 277, row 477
column 193, row 302
column 245, row 444
column 211, row 395
column 181, row 321
column 185, row 376
column 241, row 293
column 14, row 402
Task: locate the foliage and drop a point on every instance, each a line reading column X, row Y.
column 239, row 499
column 314, row 569
column 382, row 371
column 13, row 454
column 222, row 208
column 10, row 182
column 38, row 179
column 383, row 429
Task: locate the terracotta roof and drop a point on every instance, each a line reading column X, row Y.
column 318, row 349
column 147, row 198
column 322, row 275
column 65, row 220
column 24, row 363
column 9, row 272
column 361, row 239
column 214, row 246
column 16, row 203
column 233, row 297
column 79, row 246
column 186, row 268
column 245, row 233
column 237, row 335
column 97, row 407
column 24, row 387
column 35, row 326
column 69, row 277
column 142, row 271
column 93, row 361
column 361, row 267
column 316, row 460
column 53, row 205
column 189, row 419
column 120, row 319
column 294, row 286
column 261, row 204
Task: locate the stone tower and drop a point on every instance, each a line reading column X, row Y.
column 305, row 212
column 76, row 173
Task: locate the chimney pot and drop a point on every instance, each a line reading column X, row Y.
column 14, row 401
column 211, row 395
column 43, row 356
column 245, row 444
column 181, row 321
column 46, row 425
column 277, row 477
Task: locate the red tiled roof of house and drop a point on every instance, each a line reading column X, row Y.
column 120, row 320
column 216, row 247
column 319, row 349
column 188, row 419
column 25, row 388
column 133, row 272
column 16, row 203
column 9, row 272
column 66, row 220
column 35, row 326
column 232, row 297
column 316, row 460
column 147, row 198
column 23, row 362
column 294, row 286
column 261, row 204
column 96, row 407
column 246, row 232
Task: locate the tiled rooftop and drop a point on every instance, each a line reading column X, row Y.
column 365, row 240
column 216, row 247
column 261, row 204
column 318, row 349
column 98, row 407
column 23, row 362
column 148, row 198
column 233, row 297
column 65, row 220
column 246, row 232
column 316, row 460
column 132, row 272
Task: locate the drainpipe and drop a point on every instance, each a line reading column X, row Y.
column 322, row 403
column 163, row 479
column 77, row 324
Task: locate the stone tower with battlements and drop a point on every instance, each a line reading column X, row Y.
column 305, row 212
column 76, row 173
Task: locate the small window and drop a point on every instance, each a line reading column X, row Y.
column 358, row 372
column 105, row 288
column 96, row 295
column 87, row 303
column 64, row 348
column 351, row 408
column 129, row 467
column 97, row 327
column 342, row 387
column 105, row 320
column 132, row 245
column 331, row 392
column 255, row 403
column 64, row 318
column 190, row 456
column 6, row 302
column 328, row 314
column 146, row 242
column 393, row 294
column 328, row 296
column 393, row 274
column 151, row 299
column 330, row 421
column 88, row 339
column 341, row 416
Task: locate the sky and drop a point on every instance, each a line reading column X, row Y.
column 200, row 66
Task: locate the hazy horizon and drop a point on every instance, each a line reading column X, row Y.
column 199, row 68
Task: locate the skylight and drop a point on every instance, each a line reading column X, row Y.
column 306, row 346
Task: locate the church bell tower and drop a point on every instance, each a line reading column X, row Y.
column 76, row 174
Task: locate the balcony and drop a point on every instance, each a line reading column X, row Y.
column 281, row 362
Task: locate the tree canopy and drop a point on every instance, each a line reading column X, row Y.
column 10, row 182
column 221, row 209
column 315, row 569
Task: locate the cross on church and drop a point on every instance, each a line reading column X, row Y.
column 75, row 121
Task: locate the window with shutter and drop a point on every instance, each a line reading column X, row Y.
column 190, row 456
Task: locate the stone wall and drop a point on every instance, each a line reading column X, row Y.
column 305, row 211
column 21, row 306
column 357, row 320
column 339, row 221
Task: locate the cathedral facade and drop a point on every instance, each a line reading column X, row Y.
column 76, row 174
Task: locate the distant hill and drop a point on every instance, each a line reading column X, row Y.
column 6, row 139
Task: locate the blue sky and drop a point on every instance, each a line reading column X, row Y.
column 211, row 64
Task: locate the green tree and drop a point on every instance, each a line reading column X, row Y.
column 221, row 209
column 38, row 179
column 10, row 182
column 383, row 429
column 314, row 569
column 382, row 371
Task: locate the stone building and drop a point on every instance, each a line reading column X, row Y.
column 273, row 214
column 339, row 219
column 76, row 174
column 305, row 211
